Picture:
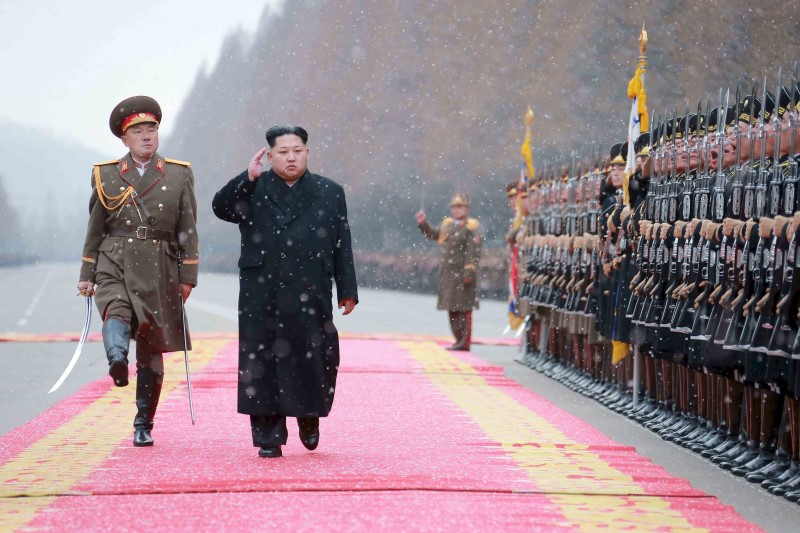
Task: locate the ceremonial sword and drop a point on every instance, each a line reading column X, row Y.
column 186, row 359
column 85, row 333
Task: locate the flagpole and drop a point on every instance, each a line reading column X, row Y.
column 637, row 357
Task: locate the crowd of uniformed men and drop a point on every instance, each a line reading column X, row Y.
column 690, row 262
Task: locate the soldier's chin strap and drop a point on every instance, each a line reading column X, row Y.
column 85, row 333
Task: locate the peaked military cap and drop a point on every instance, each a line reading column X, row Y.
column 133, row 110
column 782, row 103
column 713, row 119
column 642, row 144
column 616, row 154
column 657, row 132
column 459, row 199
column 796, row 96
column 512, row 189
column 680, row 128
column 750, row 110
column 669, row 127
column 697, row 125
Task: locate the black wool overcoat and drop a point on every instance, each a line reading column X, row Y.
column 295, row 241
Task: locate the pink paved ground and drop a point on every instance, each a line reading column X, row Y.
column 395, row 454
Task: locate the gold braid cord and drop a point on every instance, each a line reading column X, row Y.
column 111, row 203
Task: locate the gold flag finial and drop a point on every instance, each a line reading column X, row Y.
column 526, row 149
column 643, row 40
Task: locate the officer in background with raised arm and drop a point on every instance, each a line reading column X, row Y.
column 460, row 239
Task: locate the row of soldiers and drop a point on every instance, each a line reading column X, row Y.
column 690, row 263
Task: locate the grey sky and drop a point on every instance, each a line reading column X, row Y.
column 66, row 64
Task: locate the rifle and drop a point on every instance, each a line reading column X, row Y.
column 703, row 178
column 737, row 190
column 785, row 331
column 651, row 196
column 746, row 279
column 748, row 209
column 790, row 182
column 763, row 173
column 688, row 182
column 718, row 211
column 775, row 185
column 760, row 272
column 672, row 212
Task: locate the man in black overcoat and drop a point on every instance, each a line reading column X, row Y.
column 295, row 240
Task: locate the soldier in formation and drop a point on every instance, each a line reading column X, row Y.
column 690, row 261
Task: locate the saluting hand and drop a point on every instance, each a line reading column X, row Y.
column 255, row 167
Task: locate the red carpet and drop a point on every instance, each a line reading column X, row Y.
column 419, row 439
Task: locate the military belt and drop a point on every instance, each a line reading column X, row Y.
column 142, row 233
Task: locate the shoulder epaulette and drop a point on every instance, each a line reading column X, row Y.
column 112, row 162
column 176, row 162
column 448, row 221
column 473, row 224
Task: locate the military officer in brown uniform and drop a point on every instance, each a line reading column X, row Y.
column 141, row 253
column 460, row 239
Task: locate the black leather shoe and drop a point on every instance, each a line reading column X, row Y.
column 310, row 440
column 458, row 347
column 270, row 452
column 118, row 370
column 761, row 460
column 141, row 437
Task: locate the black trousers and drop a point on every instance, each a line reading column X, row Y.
column 271, row 431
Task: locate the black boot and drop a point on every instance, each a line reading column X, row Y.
column 458, row 325
column 116, row 339
column 148, row 392
column 772, row 470
column 764, row 458
column 309, row 432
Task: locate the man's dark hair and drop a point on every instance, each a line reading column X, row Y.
column 276, row 131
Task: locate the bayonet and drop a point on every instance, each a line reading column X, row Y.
column 774, row 206
column 763, row 174
column 651, row 174
column 748, row 208
column 790, row 182
column 719, row 182
column 688, row 185
column 737, row 193
column 672, row 214
column 572, row 183
column 701, row 198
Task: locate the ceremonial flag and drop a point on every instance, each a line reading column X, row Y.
column 637, row 123
column 526, row 173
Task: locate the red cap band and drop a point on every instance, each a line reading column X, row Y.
column 137, row 118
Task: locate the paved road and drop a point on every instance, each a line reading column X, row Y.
column 41, row 299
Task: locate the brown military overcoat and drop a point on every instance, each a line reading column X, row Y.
column 132, row 252
column 461, row 251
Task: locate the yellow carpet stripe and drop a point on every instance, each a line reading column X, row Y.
column 591, row 493
column 55, row 463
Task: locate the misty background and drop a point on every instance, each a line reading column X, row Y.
column 405, row 104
